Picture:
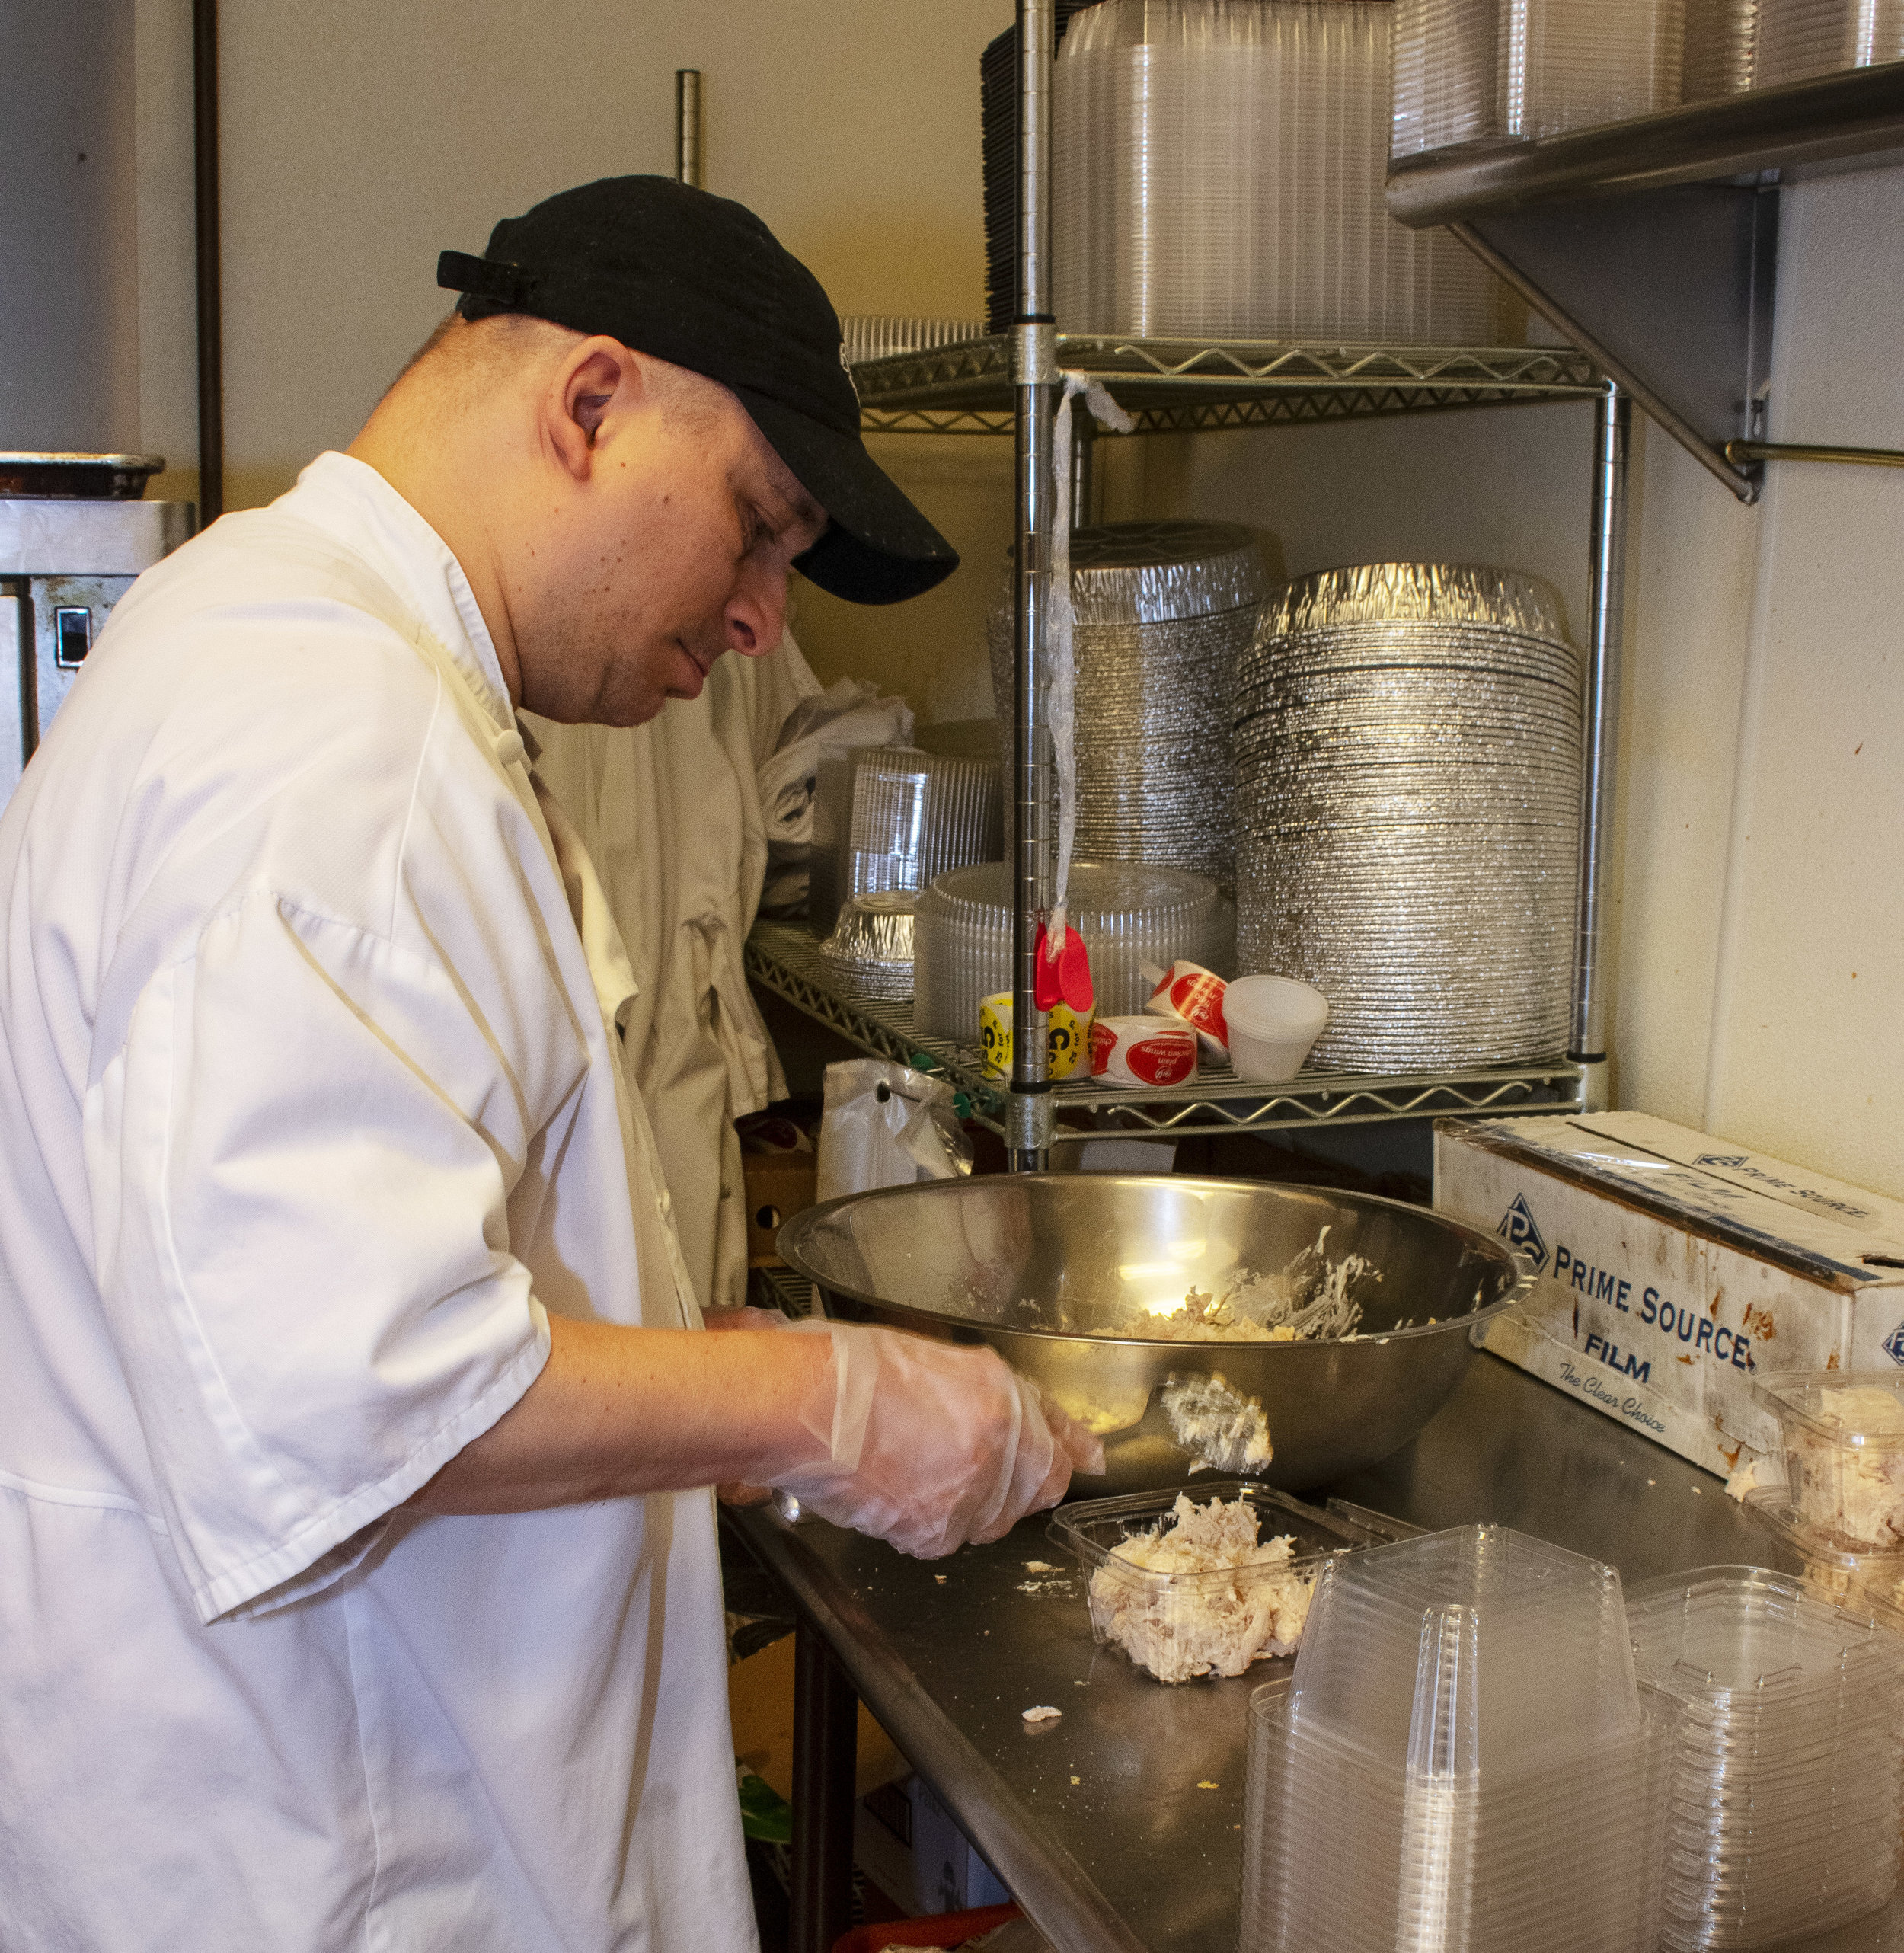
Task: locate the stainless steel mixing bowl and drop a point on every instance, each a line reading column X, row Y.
column 1036, row 1264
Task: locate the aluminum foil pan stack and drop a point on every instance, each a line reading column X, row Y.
column 871, row 944
column 1163, row 610
column 1128, row 917
column 893, row 816
column 1407, row 749
column 1493, row 71
column 1218, row 172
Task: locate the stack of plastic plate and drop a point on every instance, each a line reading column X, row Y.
column 892, row 816
column 1217, row 173
column 1789, row 1761
column 1164, row 611
column 1493, row 71
column 1463, row 1711
column 1407, row 749
column 1128, row 917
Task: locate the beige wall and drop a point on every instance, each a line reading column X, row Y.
column 1759, row 921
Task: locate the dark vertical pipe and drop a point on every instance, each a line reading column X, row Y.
column 211, row 350
column 825, row 1740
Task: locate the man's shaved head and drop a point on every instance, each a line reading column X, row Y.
column 621, row 520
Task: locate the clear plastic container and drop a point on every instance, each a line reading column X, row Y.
column 893, row 817
column 1869, row 1582
column 1343, row 1855
column 1787, row 1782
column 1478, row 1648
column 1173, row 1625
column 1842, row 1435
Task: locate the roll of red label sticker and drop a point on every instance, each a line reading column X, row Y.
column 1188, row 991
column 1140, row 1051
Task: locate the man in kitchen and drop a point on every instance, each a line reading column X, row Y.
column 358, row 1577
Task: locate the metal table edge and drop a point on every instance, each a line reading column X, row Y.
column 1056, row 1893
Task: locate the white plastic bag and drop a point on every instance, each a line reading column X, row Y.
column 887, row 1126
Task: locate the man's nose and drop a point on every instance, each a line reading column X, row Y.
column 757, row 613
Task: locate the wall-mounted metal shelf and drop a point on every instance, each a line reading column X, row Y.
column 1184, row 386
column 1653, row 244
column 784, row 958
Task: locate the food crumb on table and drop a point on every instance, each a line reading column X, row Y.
column 940, row 1578
column 1039, row 1566
column 1205, row 1783
column 1044, row 1712
column 1077, row 1779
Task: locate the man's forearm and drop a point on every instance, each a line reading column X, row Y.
column 618, row 1411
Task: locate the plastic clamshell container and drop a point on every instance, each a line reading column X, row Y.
column 1782, row 1815
column 1273, row 1023
column 1870, row 1583
column 1473, row 1651
column 1170, row 1611
column 1842, row 1433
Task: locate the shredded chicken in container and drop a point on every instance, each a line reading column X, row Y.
column 1175, row 1614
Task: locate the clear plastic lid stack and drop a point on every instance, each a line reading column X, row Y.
column 1496, row 71
column 893, row 817
column 1787, row 1769
column 1498, row 1708
column 1217, row 169
column 1129, row 916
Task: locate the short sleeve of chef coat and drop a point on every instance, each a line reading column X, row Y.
column 302, row 1159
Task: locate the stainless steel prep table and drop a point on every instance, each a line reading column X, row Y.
column 1117, row 1827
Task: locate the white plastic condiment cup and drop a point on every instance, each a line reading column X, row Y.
column 1273, row 1022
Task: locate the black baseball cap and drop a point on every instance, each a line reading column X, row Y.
column 701, row 282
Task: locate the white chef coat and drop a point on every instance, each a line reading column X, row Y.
column 670, row 813
column 309, row 1111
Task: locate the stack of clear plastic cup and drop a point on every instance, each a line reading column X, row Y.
column 1787, row 1765
column 1494, row 71
column 1463, row 1705
column 1128, row 915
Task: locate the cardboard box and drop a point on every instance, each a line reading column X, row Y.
column 1673, row 1266
column 779, row 1186
column 940, row 1864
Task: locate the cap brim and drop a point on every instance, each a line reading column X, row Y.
column 877, row 548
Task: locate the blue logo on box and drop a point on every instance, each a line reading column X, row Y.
column 1894, row 1344
column 1518, row 1230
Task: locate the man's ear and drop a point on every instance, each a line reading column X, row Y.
column 598, row 374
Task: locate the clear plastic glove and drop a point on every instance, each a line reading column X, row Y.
column 927, row 1445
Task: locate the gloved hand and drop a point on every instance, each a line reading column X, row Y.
column 928, row 1445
